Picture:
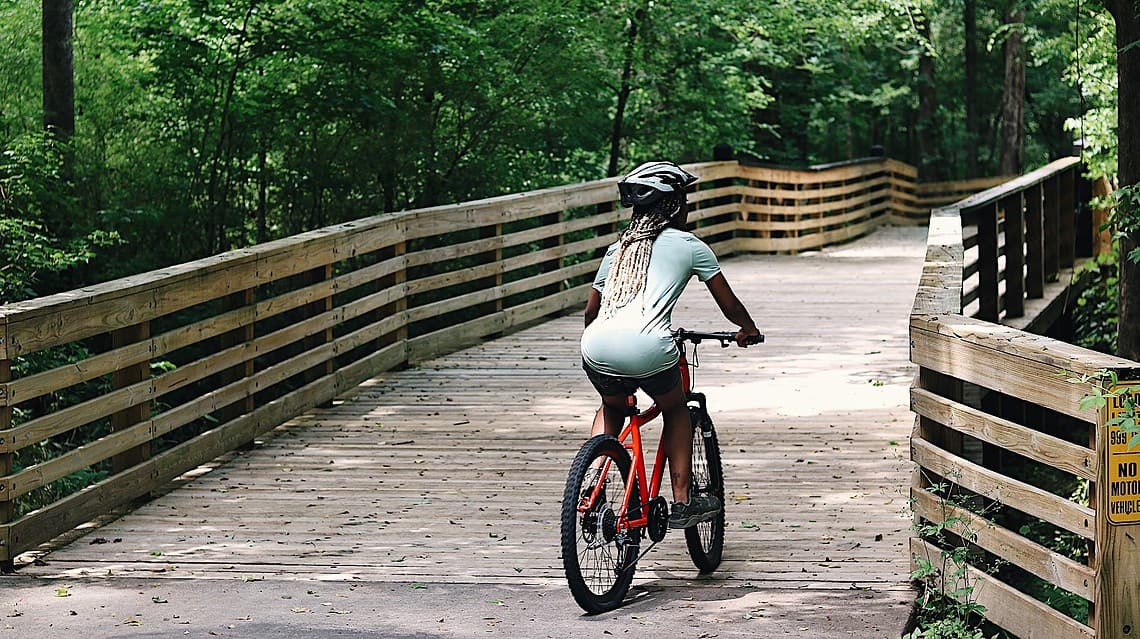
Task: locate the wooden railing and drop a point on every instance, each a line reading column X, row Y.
column 1002, row 445
column 129, row 384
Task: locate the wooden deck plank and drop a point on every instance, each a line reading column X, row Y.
column 452, row 471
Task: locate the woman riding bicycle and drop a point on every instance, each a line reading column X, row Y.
column 627, row 343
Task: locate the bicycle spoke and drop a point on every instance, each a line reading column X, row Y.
column 706, row 539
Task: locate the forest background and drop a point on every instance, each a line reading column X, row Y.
column 198, row 126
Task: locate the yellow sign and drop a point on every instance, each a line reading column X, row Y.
column 1123, row 459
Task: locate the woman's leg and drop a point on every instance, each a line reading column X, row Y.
column 677, row 440
column 611, row 416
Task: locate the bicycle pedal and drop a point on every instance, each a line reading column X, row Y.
column 658, row 518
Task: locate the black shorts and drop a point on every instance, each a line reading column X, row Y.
column 654, row 385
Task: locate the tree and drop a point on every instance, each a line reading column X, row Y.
column 624, row 88
column 970, row 93
column 926, row 129
column 58, row 75
column 1127, row 214
column 1012, row 146
column 205, row 126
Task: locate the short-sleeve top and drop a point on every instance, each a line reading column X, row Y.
column 635, row 341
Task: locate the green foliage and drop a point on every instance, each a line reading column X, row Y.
column 1052, row 537
column 31, row 185
column 947, row 608
column 1095, row 315
column 209, row 126
column 1124, row 217
column 20, row 105
column 946, row 628
column 1092, row 70
column 51, row 448
column 1105, row 387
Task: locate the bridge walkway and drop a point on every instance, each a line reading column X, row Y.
column 451, row 473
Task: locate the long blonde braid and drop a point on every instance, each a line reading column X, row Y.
column 630, row 262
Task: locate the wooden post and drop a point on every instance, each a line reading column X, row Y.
column 491, row 282
column 1117, row 611
column 7, row 503
column 239, row 335
column 1086, row 230
column 930, row 430
column 550, row 242
column 1067, row 220
column 133, row 415
column 1014, row 256
column 989, row 304
column 563, row 216
column 498, row 258
column 1094, row 500
column 1051, row 227
column 315, row 340
column 605, row 229
column 401, row 308
column 1034, row 243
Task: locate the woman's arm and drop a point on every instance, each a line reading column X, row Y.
column 732, row 308
column 593, row 304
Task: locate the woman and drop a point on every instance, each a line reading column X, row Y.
column 627, row 343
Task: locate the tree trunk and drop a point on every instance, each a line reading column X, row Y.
column 262, row 190
column 927, row 104
column 1012, row 152
column 58, row 75
column 623, row 92
column 970, row 18
column 1128, row 170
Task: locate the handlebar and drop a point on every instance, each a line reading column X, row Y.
column 725, row 338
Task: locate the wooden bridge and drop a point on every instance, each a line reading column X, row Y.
column 398, row 399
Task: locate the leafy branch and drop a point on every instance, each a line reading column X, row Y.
column 1106, row 388
column 1124, row 217
column 948, row 608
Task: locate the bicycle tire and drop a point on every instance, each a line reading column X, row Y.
column 706, row 539
column 598, row 569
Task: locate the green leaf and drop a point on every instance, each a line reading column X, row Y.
column 1133, row 441
column 1093, row 401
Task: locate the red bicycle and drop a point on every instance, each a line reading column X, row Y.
column 610, row 504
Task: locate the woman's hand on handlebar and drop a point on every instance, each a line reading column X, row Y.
column 747, row 337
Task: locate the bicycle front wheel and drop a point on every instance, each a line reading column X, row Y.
column 706, row 539
column 598, row 559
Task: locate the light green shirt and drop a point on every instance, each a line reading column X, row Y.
column 635, row 341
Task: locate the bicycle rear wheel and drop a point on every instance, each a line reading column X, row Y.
column 598, row 559
column 706, row 539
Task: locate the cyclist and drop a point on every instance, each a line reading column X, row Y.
column 627, row 343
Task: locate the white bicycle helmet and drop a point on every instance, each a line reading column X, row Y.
column 651, row 181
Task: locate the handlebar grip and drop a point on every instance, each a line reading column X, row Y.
column 724, row 338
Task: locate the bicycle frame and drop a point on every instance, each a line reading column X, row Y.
column 631, row 438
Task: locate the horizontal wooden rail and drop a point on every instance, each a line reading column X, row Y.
column 998, row 410
column 1005, row 606
column 1036, row 559
column 159, row 372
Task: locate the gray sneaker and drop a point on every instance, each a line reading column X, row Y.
column 700, row 508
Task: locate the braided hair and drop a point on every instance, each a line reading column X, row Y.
column 630, row 262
